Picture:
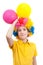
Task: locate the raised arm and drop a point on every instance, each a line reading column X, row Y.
column 9, row 34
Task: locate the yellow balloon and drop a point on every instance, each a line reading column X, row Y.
column 23, row 10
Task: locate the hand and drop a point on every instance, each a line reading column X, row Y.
column 15, row 22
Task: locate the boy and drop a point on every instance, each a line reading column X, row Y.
column 24, row 52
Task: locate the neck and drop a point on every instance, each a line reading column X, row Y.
column 24, row 40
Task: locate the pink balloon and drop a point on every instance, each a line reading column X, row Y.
column 9, row 16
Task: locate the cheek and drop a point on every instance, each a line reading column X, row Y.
column 26, row 32
column 19, row 33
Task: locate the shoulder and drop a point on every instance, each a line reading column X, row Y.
column 16, row 41
column 14, row 44
column 32, row 44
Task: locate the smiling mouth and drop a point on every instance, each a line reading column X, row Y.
column 22, row 35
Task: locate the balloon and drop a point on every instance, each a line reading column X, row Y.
column 9, row 16
column 23, row 10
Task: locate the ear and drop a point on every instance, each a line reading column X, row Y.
column 29, row 33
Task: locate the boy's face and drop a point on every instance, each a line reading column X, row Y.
column 22, row 32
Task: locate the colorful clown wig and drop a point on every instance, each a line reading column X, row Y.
column 24, row 22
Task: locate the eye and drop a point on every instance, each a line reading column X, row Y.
column 24, row 29
column 19, row 30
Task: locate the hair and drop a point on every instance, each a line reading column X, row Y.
column 15, row 33
column 28, row 23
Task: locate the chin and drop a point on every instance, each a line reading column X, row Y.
column 23, row 38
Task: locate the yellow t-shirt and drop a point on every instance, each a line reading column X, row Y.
column 23, row 52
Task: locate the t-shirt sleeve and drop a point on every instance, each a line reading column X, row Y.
column 35, row 50
column 14, row 45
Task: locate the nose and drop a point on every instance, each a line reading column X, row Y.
column 22, row 31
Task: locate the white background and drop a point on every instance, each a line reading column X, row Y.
column 37, row 17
